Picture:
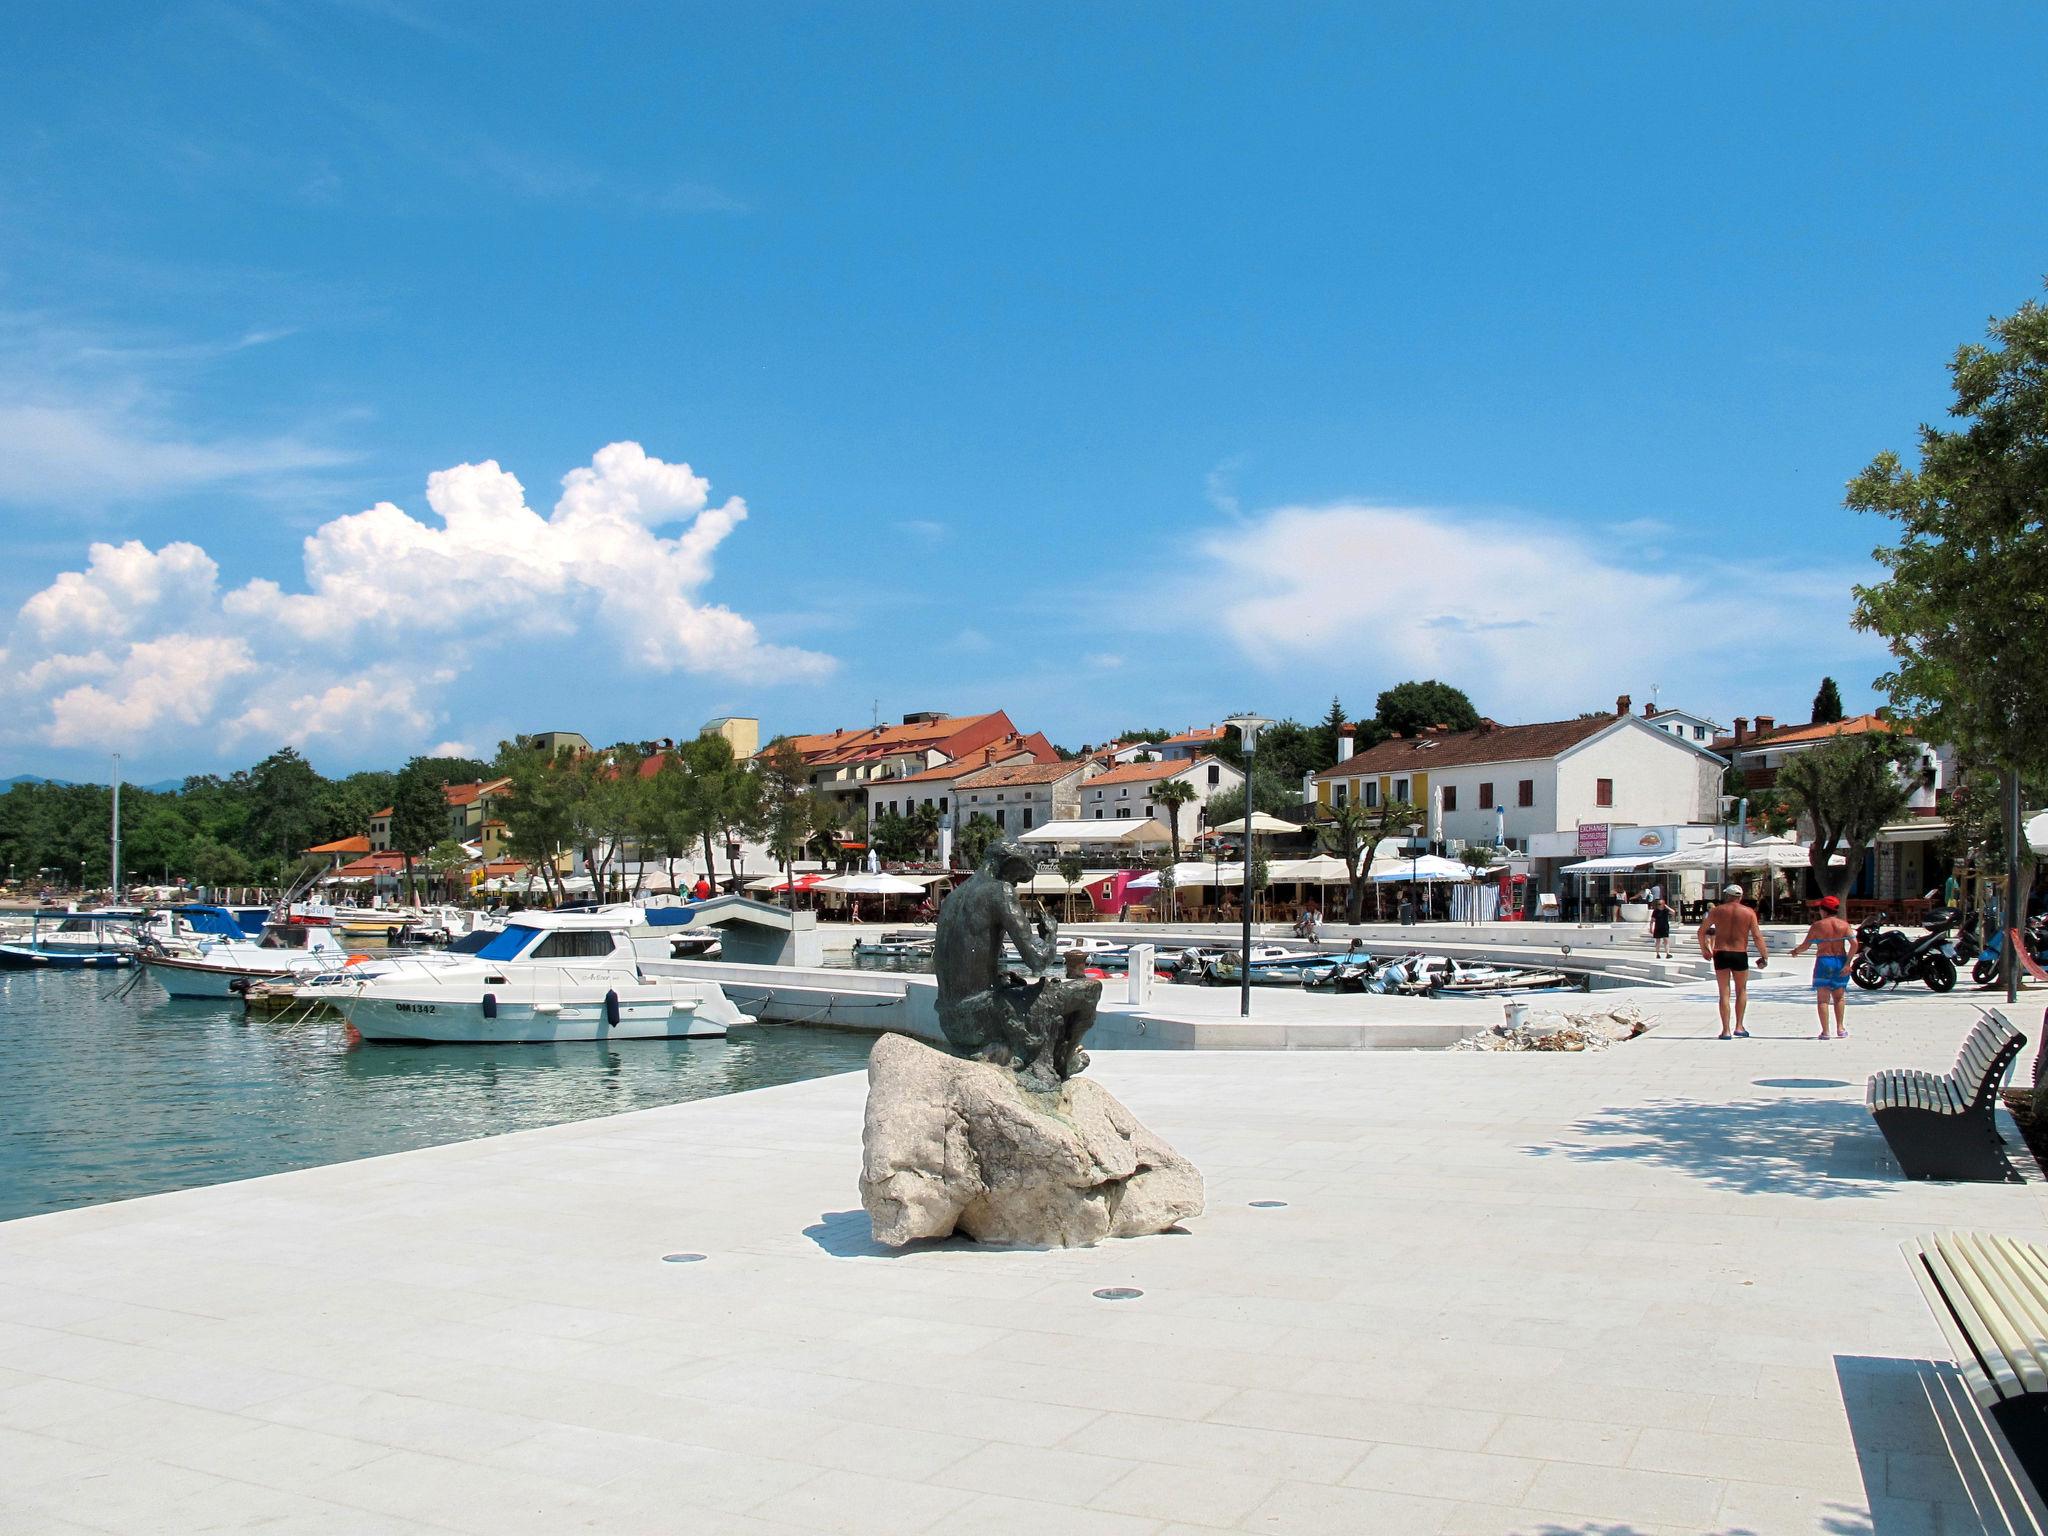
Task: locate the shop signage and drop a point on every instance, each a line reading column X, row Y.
column 1592, row 839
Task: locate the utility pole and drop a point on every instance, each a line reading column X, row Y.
column 2015, row 920
column 114, row 856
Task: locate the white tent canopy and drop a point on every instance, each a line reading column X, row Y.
column 2036, row 832
column 1130, row 829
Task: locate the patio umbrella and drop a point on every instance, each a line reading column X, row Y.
column 869, row 885
column 1430, row 867
column 1262, row 825
column 1761, row 853
column 2036, row 831
column 1322, row 869
column 1189, row 876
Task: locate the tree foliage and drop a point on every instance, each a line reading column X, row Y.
column 1964, row 606
column 1847, row 788
column 1827, row 703
column 1409, row 708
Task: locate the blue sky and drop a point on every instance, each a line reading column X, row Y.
column 1113, row 365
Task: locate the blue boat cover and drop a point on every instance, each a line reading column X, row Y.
column 214, row 922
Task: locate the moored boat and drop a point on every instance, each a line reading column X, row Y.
column 548, row 976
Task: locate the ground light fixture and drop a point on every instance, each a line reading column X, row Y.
column 1247, row 725
column 1118, row 1293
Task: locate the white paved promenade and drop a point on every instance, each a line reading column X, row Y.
column 1652, row 1290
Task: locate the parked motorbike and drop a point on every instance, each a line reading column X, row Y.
column 1987, row 955
column 1890, row 957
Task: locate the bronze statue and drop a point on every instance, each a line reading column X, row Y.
column 1032, row 1023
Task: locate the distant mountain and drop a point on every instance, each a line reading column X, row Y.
column 160, row 787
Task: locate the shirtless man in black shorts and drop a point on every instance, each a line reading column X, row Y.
column 1725, row 938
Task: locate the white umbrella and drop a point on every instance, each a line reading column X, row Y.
column 1262, row 825
column 1761, row 853
column 871, row 885
column 1430, row 867
column 2036, row 832
column 1322, row 869
column 1189, row 876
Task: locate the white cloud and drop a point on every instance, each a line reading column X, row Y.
column 67, row 453
column 1534, row 620
column 389, row 612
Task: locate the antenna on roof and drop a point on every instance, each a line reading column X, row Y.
column 875, row 715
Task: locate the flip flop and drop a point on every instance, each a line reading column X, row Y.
column 1742, row 1034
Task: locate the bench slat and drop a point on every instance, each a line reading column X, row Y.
column 2023, row 1307
column 1981, row 1386
column 1978, row 1309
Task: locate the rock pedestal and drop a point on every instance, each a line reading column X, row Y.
column 952, row 1145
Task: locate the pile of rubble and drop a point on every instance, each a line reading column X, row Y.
column 1580, row 1030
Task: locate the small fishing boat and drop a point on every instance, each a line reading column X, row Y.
column 225, row 965
column 73, row 941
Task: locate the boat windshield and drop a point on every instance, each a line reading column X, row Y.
column 509, row 944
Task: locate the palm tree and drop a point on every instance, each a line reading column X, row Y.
column 1173, row 794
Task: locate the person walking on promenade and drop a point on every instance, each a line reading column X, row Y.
column 1660, row 927
column 1730, row 928
column 1834, row 939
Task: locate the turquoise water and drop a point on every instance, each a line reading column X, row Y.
column 109, row 1089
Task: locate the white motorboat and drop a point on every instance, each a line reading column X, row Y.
column 548, row 976
column 291, row 946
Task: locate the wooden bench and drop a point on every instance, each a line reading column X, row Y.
column 1990, row 1296
column 1945, row 1127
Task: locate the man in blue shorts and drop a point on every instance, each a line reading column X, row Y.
column 1835, row 942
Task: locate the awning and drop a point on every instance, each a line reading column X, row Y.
column 871, row 885
column 1609, row 866
column 1914, row 831
column 1129, row 829
column 1262, row 825
column 1322, row 869
column 1050, row 882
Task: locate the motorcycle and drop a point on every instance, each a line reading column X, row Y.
column 1989, row 954
column 1889, row 957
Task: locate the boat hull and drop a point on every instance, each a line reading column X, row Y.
column 189, row 978
column 22, row 957
column 465, row 1023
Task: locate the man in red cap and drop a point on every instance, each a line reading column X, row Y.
column 1835, row 943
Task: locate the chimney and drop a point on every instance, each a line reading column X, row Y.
column 1486, row 723
column 1623, row 704
column 1741, row 729
column 1345, row 746
column 1765, row 724
column 1650, row 711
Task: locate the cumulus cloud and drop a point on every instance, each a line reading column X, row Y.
column 1540, row 620
column 143, row 641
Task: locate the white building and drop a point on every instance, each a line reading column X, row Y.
column 1020, row 796
column 1684, row 724
column 1127, row 791
column 1536, row 786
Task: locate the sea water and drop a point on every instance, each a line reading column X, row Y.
column 110, row 1089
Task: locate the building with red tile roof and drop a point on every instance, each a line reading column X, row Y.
column 1128, row 789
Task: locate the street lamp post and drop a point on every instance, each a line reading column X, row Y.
column 1415, row 869
column 1248, row 727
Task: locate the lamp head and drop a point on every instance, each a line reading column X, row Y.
column 1248, row 726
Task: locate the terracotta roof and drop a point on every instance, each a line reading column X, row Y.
column 374, row 864
column 1456, row 749
column 1020, row 773
column 464, row 794
column 1790, row 735
column 342, row 845
column 1145, row 773
column 385, row 812
column 890, row 740
column 1033, row 749
column 1196, row 736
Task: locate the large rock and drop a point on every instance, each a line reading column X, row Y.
column 952, row 1145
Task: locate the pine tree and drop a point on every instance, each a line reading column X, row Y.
column 1827, row 704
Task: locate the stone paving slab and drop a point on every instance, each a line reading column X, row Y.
column 1646, row 1290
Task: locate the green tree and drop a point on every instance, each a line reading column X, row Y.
column 1407, row 709
column 789, row 811
column 419, row 814
column 1847, row 788
column 1964, row 606
column 1827, row 703
column 536, row 810
column 1352, row 832
column 444, row 860
column 607, row 809
column 1173, row 794
column 1269, row 794
column 1329, row 734
column 1071, row 870
column 972, row 840
column 286, row 801
column 214, row 863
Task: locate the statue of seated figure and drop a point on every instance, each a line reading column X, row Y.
column 1031, row 1023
